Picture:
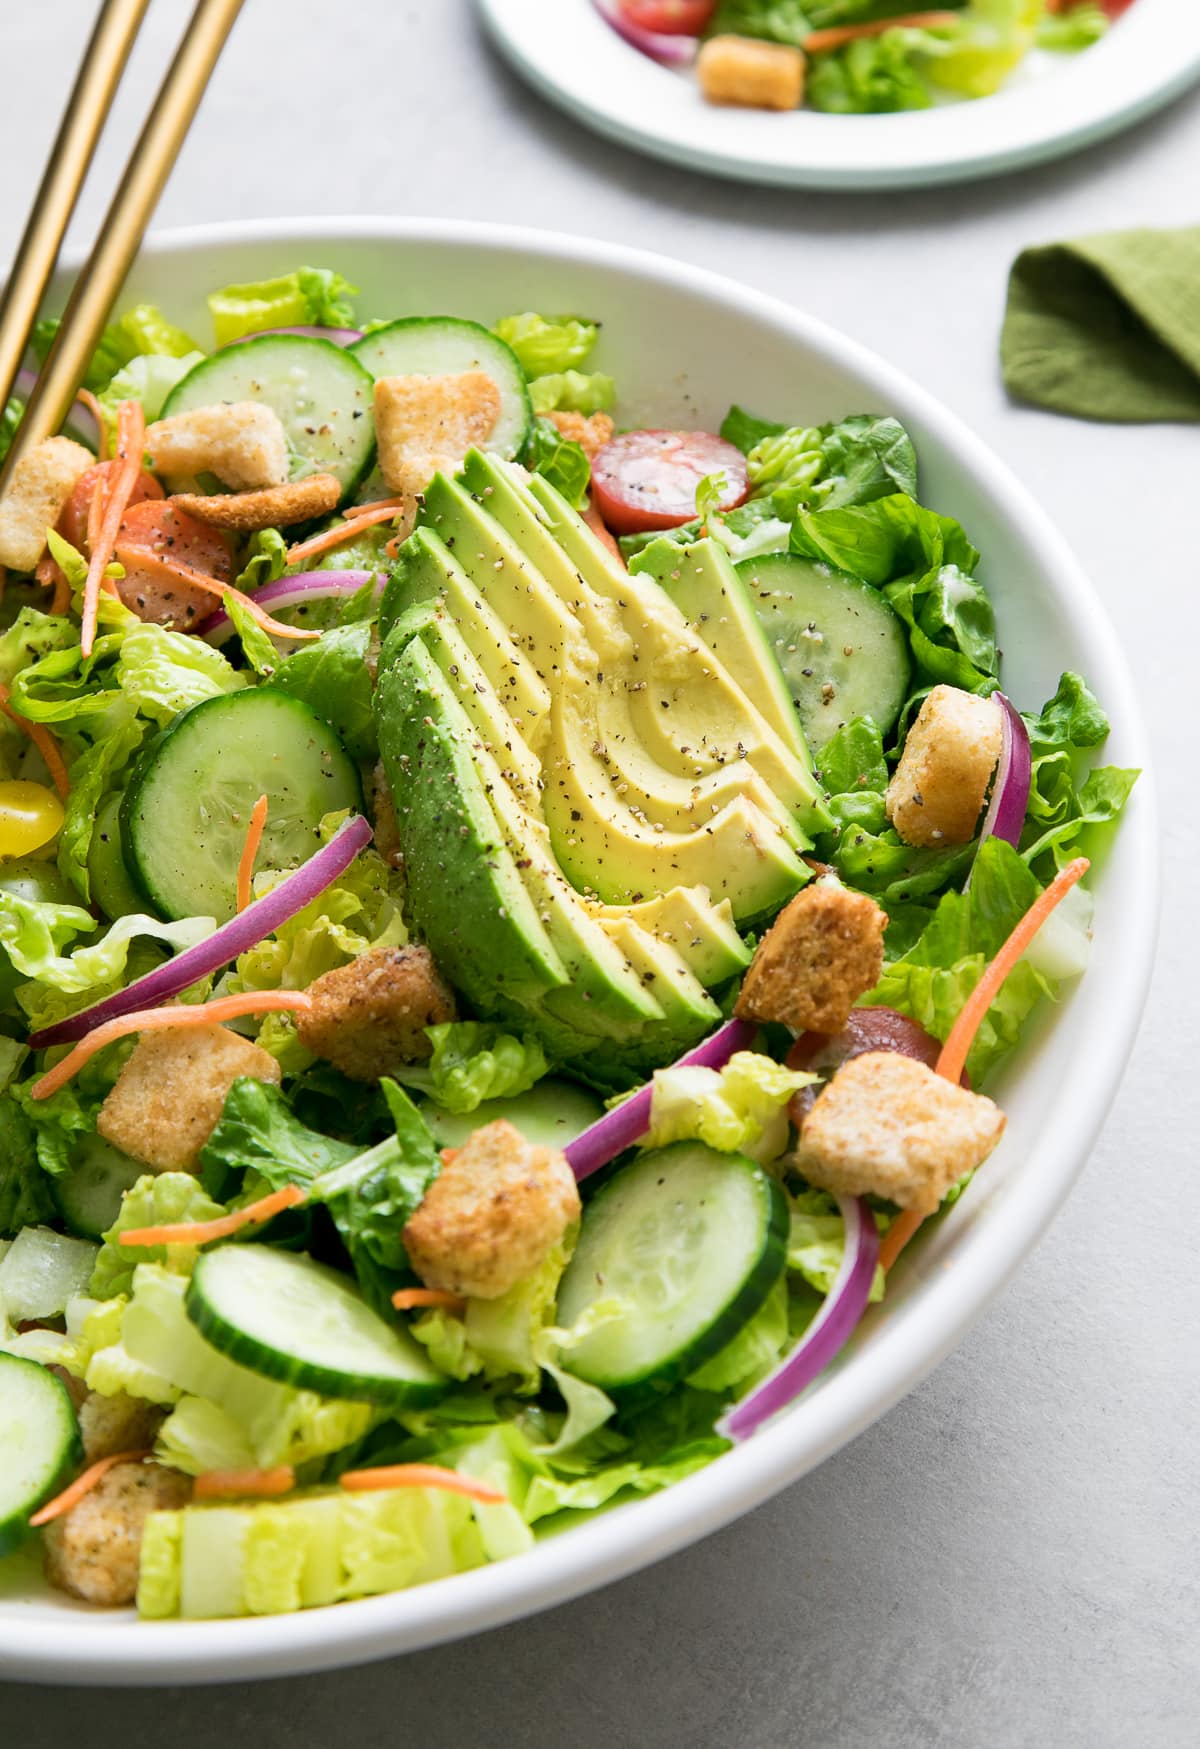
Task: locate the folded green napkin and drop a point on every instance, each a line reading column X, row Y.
column 1107, row 327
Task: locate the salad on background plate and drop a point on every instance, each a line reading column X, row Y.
column 508, row 924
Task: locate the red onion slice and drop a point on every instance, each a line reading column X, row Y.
column 620, row 1128
column 238, row 936
column 828, row 1333
column 1014, row 776
column 291, row 592
column 667, row 50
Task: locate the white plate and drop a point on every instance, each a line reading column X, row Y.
column 660, row 319
column 1054, row 104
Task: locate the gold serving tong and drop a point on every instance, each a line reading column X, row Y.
column 150, row 163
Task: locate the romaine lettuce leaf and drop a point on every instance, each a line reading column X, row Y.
column 309, row 297
column 740, row 1109
column 474, row 1061
column 571, row 391
column 877, row 75
column 155, row 1200
column 257, row 1131
column 92, row 776
column 560, row 459
column 1068, row 32
column 1063, row 806
column 753, row 1351
column 24, row 1185
column 546, row 345
column 975, row 56
column 332, row 677
column 148, row 378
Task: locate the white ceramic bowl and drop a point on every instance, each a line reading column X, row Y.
column 683, row 344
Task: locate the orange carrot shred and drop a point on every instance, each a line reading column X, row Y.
column 263, row 1484
column 82, row 1486
column 97, row 412
column 819, row 42
column 407, row 1299
column 45, row 743
column 222, row 1227
column 334, row 537
column 214, row 586
column 254, row 833
column 422, row 1476
column 353, row 513
column 157, row 1019
column 953, row 1058
column 131, row 442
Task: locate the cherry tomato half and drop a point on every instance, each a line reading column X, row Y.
column 648, row 479
column 868, row 1029
column 669, row 17
column 72, row 524
column 154, row 538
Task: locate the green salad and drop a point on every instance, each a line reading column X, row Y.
column 508, row 923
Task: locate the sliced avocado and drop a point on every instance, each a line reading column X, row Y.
column 465, row 892
column 689, row 1011
column 702, row 933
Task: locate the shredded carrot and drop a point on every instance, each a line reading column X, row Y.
column 603, row 533
column 97, row 412
column 333, row 537
column 45, row 743
column 448, row 1154
column 953, row 1058
column 263, row 1484
column 422, row 1476
column 223, row 1227
column 156, row 1019
column 819, row 42
column 357, row 510
column 407, row 1299
column 51, row 575
column 83, row 1485
column 214, row 586
column 131, row 442
column 254, row 832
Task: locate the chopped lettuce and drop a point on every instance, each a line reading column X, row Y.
column 264, row 558
column 1063, row 807
column 753, row 1351
column 310, row 297
column 974, row 56
column 817, row 1241
column 740, row 1109
column 546, row 345
column 155, row 1200
column 571, row 391
column 164, row 672
column 100, row 964
column 148, row 378
column 1068, row 32
column 331, row 676
column 142, row 330
column 474, row 1061
column 258, row 1132
column 24, row 1185
column 501, row 1338
column 41, row 1271
column 877, row 75
column 560, row 459
column 93, row 775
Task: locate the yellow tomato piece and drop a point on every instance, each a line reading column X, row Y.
column 30, row 816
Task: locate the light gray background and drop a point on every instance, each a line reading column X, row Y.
column 1010, row 1558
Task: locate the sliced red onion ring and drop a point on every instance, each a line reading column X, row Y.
column 620, row 1128
column 339, row 336
column 1014, row 776
column 667, row 50
column 236, row 937
column 829, row 1331
column 291, row 592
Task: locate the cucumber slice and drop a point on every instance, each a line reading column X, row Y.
column 550, row 1115
column 41, row 1443
column 185, row 812
column 322, row 394
column 108, row 878
column 284, row 1316
column 89, row 1192
column 689, row 1243
column 842, row 650
column 434, row 346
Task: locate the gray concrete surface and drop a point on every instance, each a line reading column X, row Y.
column 1010, row 1558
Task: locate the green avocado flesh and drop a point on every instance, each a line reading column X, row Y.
column 592, row 792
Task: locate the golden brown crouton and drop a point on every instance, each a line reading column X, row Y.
column 426, row 425
column 370, row 1015
column 117, row 1423
column 886, row 1125
column 823, row 951
column 92, row 1551
column 752, row 74
column 241, row 442
column 492, row 1214
column 938, row 789
column 169, row 1095
column 275, row 507
column 591, row 434
column 37, row 494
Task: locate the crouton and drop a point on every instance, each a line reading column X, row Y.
column 37, row 495
column 493, row 1213
column 590, row 434
column 275, row 507
column 886, row 1125
column 116, row 1423
column 370, row 1015
column 241, row 442
column 426, row 425
column 823, row 951
column 751, row 74
column 92, row 1551
column 939, row 787
column 169, row 1095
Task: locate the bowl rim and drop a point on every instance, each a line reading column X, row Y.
column 95, row 1648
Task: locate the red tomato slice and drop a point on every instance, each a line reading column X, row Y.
column 648, row 479
column 669, row 17
column 868, row 1029
column 72, row 524
column 156, row 538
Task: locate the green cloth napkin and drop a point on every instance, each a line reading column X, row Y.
column 1107, row 327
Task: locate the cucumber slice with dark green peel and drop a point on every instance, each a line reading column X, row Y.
column 291, row 1319
column 434, row 346
column 188, row 804
column 324, row 398
column 41, row 1443
column 89, row 1191
column 108, row 878
column 842, row 650
column 688, row 1244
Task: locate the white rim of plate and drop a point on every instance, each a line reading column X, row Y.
column 116, row 1649
column 571, row 56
